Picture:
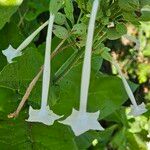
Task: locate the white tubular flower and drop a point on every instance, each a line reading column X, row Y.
column 82, row 121
column 12, row 53
column 45, row 115
column 133, row 39
column 136, row 109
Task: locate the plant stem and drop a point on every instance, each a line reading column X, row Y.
column 98, row 32
column 70, row 39
column 81, row 13
column 98, row 42
column 22, row 17
column 27, row 94
column 67, row 65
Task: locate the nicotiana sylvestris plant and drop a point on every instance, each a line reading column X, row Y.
column 45, row 115
column 12, row 53
column 82, row 121
column 136, row 109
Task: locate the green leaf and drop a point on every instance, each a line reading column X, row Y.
column 7, row 37
column 119, row 116
column 10, row 34
column 144, row 2
column 19, row 74
column 79, row 32
column 82, row 4
column 15, row 75
column 69, row 10
column 62, row 57
column 60, row 18
column 86, row 140
column 119, row 140
column 128, row 5
column 131, row 17
column 20, row 135
column 117, row 32
column 145, row 15
column 55, row 5
column 36, row 9
column 106, row 93
column 3, row 61
column 96, row 62
column 60, row 32
column 79, row 29
column 121, row 28
column 7, row 9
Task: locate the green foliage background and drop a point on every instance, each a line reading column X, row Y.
column 107, row 94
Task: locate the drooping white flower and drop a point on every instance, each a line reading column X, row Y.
column 82, row 121
column 12, row 53
column 45, row 115
column 136, row 109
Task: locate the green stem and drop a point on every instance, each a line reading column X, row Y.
column 70, row 40
column 81, row 13
column 98, row 32
column 67, row 65
column 70, row 63
column 99, row 41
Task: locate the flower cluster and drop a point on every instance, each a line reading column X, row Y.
column 80, row 120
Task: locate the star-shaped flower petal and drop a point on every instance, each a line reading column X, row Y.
column 81, row 122
column 137, row 110
column 45, row 116
column 11, row 53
